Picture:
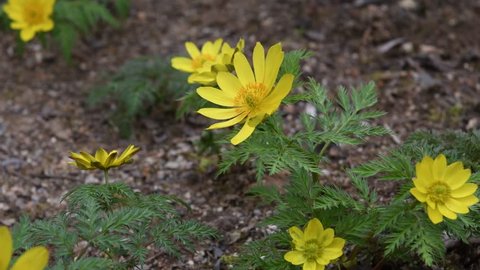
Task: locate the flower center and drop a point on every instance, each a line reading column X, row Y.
column 33, row 14
column 198, row 61
column 251, row 96
column 439, row 192
column 312, row 249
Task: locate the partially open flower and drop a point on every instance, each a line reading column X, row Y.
column 443, row 189
column 35, row 258
column 103, row 160
column 30, row 16
column 315, row 247
column 205, row 63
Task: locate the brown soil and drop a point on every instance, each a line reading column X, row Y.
column 424, row 58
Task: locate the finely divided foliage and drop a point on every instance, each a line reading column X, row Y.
column 112, row 227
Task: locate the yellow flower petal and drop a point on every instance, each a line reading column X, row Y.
column 243, row 69
column 294, row 257
column 182, row 63
column 431, row 203
column 310, row 265
column 313, row 230
column 216, row 46
column 420, row 185
column 228, row 83
column 421, row 197
column 27, row 34
column 246, row 130
column 320, row 266
column 297, row 235
column 456, row 206
column 326, row 237
column 446, row 212
column 33, row 259
column 259, row 62
column 464, row 191
column 281, row 90
column 216, row 96
column 230, row 122
column 458, row 178
column 192, row 49
column 321, row 260
column 337, row 243
column 331, row 253
column 424, row 173
column 6, row 249
column 434, row 215
column 439, row 167
column 101, row 155
column 219, row 113
column 46, row 26
column 272, row 64
column 204, row 78
column 468, row 201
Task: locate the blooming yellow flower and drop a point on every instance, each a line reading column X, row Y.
column 33, row 259
column 250, row 96
column 443, row 188
column 315, row 247
column 103, row 160
column 205, row 63
column 30, row 16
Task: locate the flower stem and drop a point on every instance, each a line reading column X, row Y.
column 105, row 174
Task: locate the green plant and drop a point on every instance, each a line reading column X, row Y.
column 111, row 227
column 139, row 86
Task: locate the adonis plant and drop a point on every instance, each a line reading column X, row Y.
column 64, row 20
column 436, row 195
column 107, row 226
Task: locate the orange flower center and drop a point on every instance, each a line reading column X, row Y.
column 439, row 192
column 251, row 96
column 33, row 13
column 198, row 61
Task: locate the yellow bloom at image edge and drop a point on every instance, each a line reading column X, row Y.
column 250, row 95
column 35, row 258
column 443, row 188
column 315, row 247
column 30, row 16
column 102, row 159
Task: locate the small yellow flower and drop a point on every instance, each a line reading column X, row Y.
column 205, row 63
column 315, row 247
column 250, row 96
column 443, row 189
column 30, row 16
column 103, row 160
column 33, row 259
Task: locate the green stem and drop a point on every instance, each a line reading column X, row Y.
column 324, row 148
column 105, row 174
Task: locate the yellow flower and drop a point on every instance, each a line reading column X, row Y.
column 103, row 160
column 30, row 16
column 33, row 259
column 315, row 247
column 443, row 188
column 250, row 96
column 205, row 63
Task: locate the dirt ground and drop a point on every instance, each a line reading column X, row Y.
column 423, row 55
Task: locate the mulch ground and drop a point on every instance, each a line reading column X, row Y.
column 423, row 55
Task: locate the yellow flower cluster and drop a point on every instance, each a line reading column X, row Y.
column 249, row 96
column 204, row 64
column 443, row 188
column 35, row 258
column 102, row 159
column 30, row 16
column 315, row 247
